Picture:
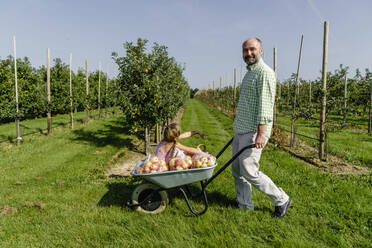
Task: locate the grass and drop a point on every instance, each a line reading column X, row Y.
column 65, row 171
column 29, row 127
column 355, row 147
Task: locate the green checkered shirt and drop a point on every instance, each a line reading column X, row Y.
column 256, row 101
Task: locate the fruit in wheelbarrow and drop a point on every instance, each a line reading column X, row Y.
column 140, row 170
column 163, row 168
column 154, row 160
column 155, row 167
column 179, row 162
column 172, row 163
column 148, row 164
column 179, row 168
column 198, row 164
column 162, row 162
column 147, row 170
column 211, row 161
column 189, row 161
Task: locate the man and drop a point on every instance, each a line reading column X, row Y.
column 253, row 123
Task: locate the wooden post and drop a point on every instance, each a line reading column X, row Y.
column 147, row 141
column 106, row 91
column 322, row 133
column 71, row 108
column 18, row 130
column 99, row 90
column 48, row 92
column 87, row 92
column 275, row 103
column 370, row 109
column 294, row 113
column 345, row 101
column 213, row 88
column 234, row 92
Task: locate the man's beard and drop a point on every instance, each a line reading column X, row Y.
column 254, row 60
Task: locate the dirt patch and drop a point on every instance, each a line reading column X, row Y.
column 39, row 205
column 99, row 152
column 125, row 164
column 302, row 150
column 6, row 210
column 19, row 183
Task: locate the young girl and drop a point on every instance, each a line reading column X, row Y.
column 169, row 147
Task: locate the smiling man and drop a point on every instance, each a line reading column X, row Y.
column 253, row 123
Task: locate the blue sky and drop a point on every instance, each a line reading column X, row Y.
column 205, row 35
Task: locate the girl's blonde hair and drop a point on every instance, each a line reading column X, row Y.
column 171, row 133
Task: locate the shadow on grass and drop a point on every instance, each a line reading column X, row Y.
column 120, row 192
column 117, row 195
column 114, row 133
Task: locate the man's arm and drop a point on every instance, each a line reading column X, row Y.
column 266, row 95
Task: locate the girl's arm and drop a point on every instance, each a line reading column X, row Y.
column 189, row 150
column 191, row 133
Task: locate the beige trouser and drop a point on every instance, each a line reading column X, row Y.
column 245, row 170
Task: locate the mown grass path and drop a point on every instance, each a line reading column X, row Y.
column 84, row 209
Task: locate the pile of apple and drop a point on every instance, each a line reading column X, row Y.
column 154, row 164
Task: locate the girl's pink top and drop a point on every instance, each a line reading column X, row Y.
column 166, row 156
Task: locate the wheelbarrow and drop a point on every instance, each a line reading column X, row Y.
column 151, row 196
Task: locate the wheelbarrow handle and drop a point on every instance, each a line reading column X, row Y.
column 229, row 162
column 225, row 147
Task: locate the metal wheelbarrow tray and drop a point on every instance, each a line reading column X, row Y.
column 152, row 197
column 171, row 179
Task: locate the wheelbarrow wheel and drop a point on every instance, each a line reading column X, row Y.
column 155, row 204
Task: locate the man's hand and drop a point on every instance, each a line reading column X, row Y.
column 260, row 141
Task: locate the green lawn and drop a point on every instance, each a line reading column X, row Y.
column 84, row 209
column 353, row 146
column 29, row 127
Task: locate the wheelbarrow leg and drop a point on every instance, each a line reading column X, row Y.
column 189, row 205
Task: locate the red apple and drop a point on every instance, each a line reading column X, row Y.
column 155, row 167
column 179, row 162
column 147, row 170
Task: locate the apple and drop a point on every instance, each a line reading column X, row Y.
column 172, row 162
column 179, row 162
column 155, row 167
column 179, row 168
column 162, row 162
column 154, row 159
column 204, row 160
column 163, row 168
column 148, row 164
column 198, row 164
column 147, row 170
column 153, row 171
column 204, row 165
column 140, row 170
column 185, row 164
